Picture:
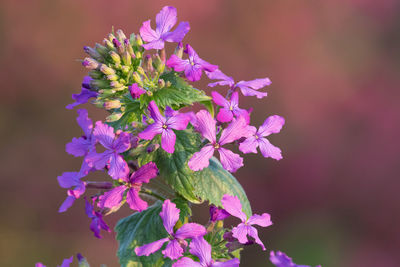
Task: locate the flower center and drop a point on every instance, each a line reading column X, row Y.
column 164, row 126
column 216, row 146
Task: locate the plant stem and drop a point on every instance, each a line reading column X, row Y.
column 151, row 193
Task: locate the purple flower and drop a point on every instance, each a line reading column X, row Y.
column 205, row 124
column 97, row 220
column 174, row 250
column 136, row 91
column 200, row 248
column 71, row 180
column 65, row 263
column 81, row 146
column 233, row 206
column 248, row 88
column 192, row 67
column 165, row 20
column 230, row 107
column 114, row 145
column 164, row 125
column 85, row 94
column 272, row 124
column 132, row 185
column 217, row 214
column 280, row 259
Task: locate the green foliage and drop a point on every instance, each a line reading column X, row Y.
column 139, row 229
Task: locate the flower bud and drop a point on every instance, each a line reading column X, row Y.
column 148, row 63
column 112, row 77
column 140, row 70
column 138, row 41
column 158, row 63
column 99, row 84
column 90, row 63
column 125, row 69
column 115, row 57
column 95, row 74
column 136, row 77
column 116, row 84
column 168, row 84
column 114, row 117
column 179, row 50
column 126, row 57
column 152, row 147
column 136, row 91
column 106, row 70
column 128, row 47
column 111, row 37
column 161, row 83
column 138, row 54
column 118, row 45
column 103, row 51
column 112, row 104
column 92, row 52
column 108, row 44
column 149, row 93
column 120, row 35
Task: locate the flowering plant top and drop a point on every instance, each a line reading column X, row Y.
column 159, row 157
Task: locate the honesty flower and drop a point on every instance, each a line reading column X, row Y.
column 114, row 145
column 85, row 94
column 71, row 180
column 136, row 91
column 280, row 259
column 97, row 220
column 65, row 263
column 132, row 185
column 200, row 248
column 164, row 125
column 205, row 124
column 174, row 250
column 165, row 20
column 248, row 88
column 233, row 206
column 192, row 67
column 272, row 124
column 230, row 107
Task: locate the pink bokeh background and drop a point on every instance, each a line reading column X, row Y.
column 334, row 198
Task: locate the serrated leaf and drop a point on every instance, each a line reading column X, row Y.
column 214, row 181
column 132, row 113
column 139, row 229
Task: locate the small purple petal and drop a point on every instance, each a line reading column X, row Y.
column 173, row 250
column 249, row 88
column 217, row 214
column 193, row 72
column 67, row 262
column 155, row 113
column 67, row 204
column 254, row 234
column 219, row 75
column 122, row 143
column 151, row 131
column 235, row 130
column 144, row 173
column 84, row 122
column 280, row 259
column 134, row 201
column 200, row 248
column 147, row 33
column 230, row 263
column 168, row 138
column 225, row 115
column 201, row 159
column 229, row 160
column 273, row 124
column 69, row 179
column 169, row 215
column 186, row 262
column 233, row 206
column 104, row 134
column 166, row 19
column 136, row 91
column 84, row 96
column 219, row 99
column 118, row 168
column 112, row 198
column 178, row 34
column 249, row 145
column 98, row 160
column 269, row 150
column 39, row 264
column 157, row 44
column 148, row 249
column 78, row 147
column 190, row 230
column 178, row 121
column 263, row 220
column 177, row 63
column 240, row 233
column 205, row 124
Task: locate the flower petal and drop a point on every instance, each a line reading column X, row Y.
column 104, row 134
column 229, row 160
column 178, row 34
column 269, row 150
column 145, row 173
column 177, row 63
column 235, row 130
column 273, row 124
column 69, row 179
column 190, row 230
column 200, row 248
column 219, row 99
column 173, row 250
column 84, row 122
column 151, row 131
column 157, row 44
column 84, row 96
column 166, row 19
column 240, row 233
column 249, row 145
column 134, row 201
column 219, row 75
column 148, row 249
column 205, row 124
column 118, row 168
column 233, row 206
column 168, row 138
column 263, row 220
column 78, row 147
column 254, row 234
column 193, row 72
column 178, row 121
column 230, row 263
column 169, row 215
column 147, row 33
column 186, row 262
column 67, row 262
column 67, row 204
column 122, row 143
column 225, row 115
column 201, row 159
column 154, row 112
column 136, row 91
column 98, row 160
column 112, row 198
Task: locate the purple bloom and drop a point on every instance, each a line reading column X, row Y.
column 217, row 214
column 200, row 248
column 174, row 250
column 272, row 124
column 280, row 259
column 85, row 94
column 233, row 206
column 97, row 220
column 230, row 107
column 136, row 91
column 114, row 145
column 164, row 125
column 193, row 66
column 248, row 88
column 132, row 185
column 65, row 263
column 165, row 20
column 205, row 124
column 71, row 180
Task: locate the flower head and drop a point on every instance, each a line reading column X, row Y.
column 173, row 250
column 85, row 94
column 205, row 124
column 136, row 91
column 164, row 125
column 233, row 206
column 71, row 180
column 230, row 108
column 97, row 220
column 193, row 66
column 165, row 20
column 272, row 124
column 132, row 185
column 280, row 259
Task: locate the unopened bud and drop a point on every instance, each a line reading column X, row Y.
column 101, row 49
column 92, row 52
column 114, row 117
column 115, row 57
column 136, row 77
column 148, row 63
column 111, row 104
column 125, row 69
column 95, row 74
column 112, row 77
column 128, row 47
column 138, row 54
column 140, row 70
column 115, row 84
column 136, row 91
column 106, row 70
column 179, row 50
column 168, row 84
column 120, row 35
column 82, row 261
column 152, row 147
column 149, row 93
column 111, row 37
column 161, row 83
column 99, row 84
column 90, row 63
column 139, row 41
column 108, row 44
column 118, row 45
column 158, row 63
column 126, row 57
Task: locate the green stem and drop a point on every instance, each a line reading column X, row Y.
column 151, row 193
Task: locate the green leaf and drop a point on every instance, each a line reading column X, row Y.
column 132, row 113
column 213, row 182
column 139, row 229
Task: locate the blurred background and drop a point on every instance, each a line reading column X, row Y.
column 334, row 197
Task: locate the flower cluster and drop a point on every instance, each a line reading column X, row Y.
column 155, row 152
